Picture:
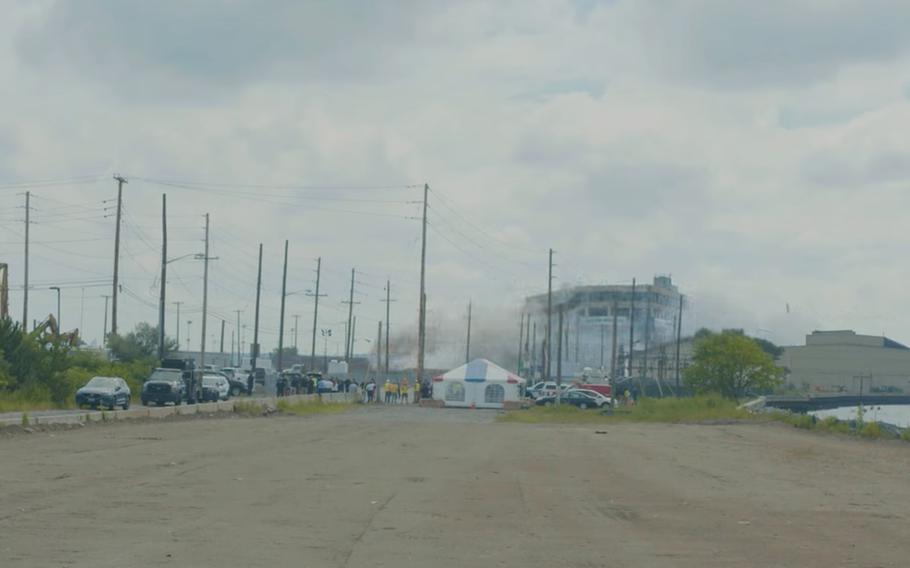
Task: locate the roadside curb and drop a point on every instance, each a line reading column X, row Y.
column 165, row 411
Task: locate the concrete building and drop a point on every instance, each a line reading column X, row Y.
column 843, row 361
column 588, row 316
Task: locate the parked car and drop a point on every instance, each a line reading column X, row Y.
column 104, row 391
column 596, row 395
column 215, row 387
column 164, row 386
column 575, row 397
column 191, row 377
column 237, row 380
column 546, row 389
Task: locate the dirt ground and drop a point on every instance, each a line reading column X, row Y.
column 410, row 487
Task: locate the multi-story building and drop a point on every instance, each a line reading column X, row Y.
column 590, row 314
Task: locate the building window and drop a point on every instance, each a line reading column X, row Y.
column 493, row 393
column 455, row 392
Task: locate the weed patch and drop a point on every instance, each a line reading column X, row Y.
column 313, row 407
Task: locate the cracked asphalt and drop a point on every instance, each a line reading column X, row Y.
column 412, row 487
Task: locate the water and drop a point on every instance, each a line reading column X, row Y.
column 899, row 415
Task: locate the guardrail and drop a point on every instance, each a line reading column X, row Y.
column 74, row 417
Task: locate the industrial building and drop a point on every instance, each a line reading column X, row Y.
column 590, row 315
column 843, row 361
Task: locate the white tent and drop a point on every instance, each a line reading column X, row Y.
column 478, row 384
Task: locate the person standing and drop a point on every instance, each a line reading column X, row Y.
column 371, row 390
column 403, row 390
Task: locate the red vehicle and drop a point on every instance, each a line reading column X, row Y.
column 606, row 390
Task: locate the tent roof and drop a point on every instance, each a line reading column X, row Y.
column 479, row 371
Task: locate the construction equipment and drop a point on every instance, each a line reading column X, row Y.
column 48, row 332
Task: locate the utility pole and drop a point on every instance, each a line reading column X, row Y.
column 422, row 317
column 467, row 352
column 254, row 349
column 613, row 347
column 528, row 339
column 315, row 312
column 104, row 337
column 120, row 182
column 388, row 305
column 549, row 313
column 353, row 332
column 646, row 361
column 239, row 342
column 559, row 362
column 178, row 323
column 379, row 349
column 222, row 337
column 632, row 329
column 347, row 340
column 28, row 211
column 161, row 296
column 205, row 294
column 284, row 283
column 678, row 340
column 521, row 340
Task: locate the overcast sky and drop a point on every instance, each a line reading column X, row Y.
column 756, row 151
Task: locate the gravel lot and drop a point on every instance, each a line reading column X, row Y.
column 411, row 487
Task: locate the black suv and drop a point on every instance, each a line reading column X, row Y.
column 163, row 386
column 192, row 379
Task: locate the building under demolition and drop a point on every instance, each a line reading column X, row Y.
column 597, row 319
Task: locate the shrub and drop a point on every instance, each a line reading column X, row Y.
column 871, row 430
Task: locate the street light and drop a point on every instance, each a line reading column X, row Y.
column 57, row 288
column 189, row 324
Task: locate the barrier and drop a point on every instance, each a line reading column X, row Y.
column 165, row 411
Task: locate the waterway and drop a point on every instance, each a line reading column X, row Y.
column 899, row 415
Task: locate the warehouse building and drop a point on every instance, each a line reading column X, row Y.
column 843, row 361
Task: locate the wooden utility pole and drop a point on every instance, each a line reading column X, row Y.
column 120, row 182
column 467, row 351
column 284, row 285
column 547, row 339
column 104, row 337
column 28, row 211
column 632, row 329
column 379, row 348
column 646, row 360
column 388, row 303
column 239, row 341
column 613, row 339
column 221, row 349
column 521, row 339
column 205, row 295
column 315, row 313
column 163, row 286
column 353, row 336
column 559, row 362
column 678, row 340
column 4, row 291
column 347, row 337
column 422, row 316
column 527, row 351
column 254, row 349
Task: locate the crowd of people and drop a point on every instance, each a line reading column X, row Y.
column 388, row 392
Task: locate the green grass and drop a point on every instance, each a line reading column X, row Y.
column 313, row 407
column 19, row 401
column 671, row 410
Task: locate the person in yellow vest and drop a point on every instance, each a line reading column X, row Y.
column 403, row 390
column 388, row 391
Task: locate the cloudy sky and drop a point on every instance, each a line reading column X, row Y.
column 756, row 151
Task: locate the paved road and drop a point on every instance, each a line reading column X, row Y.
column 410, row 487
